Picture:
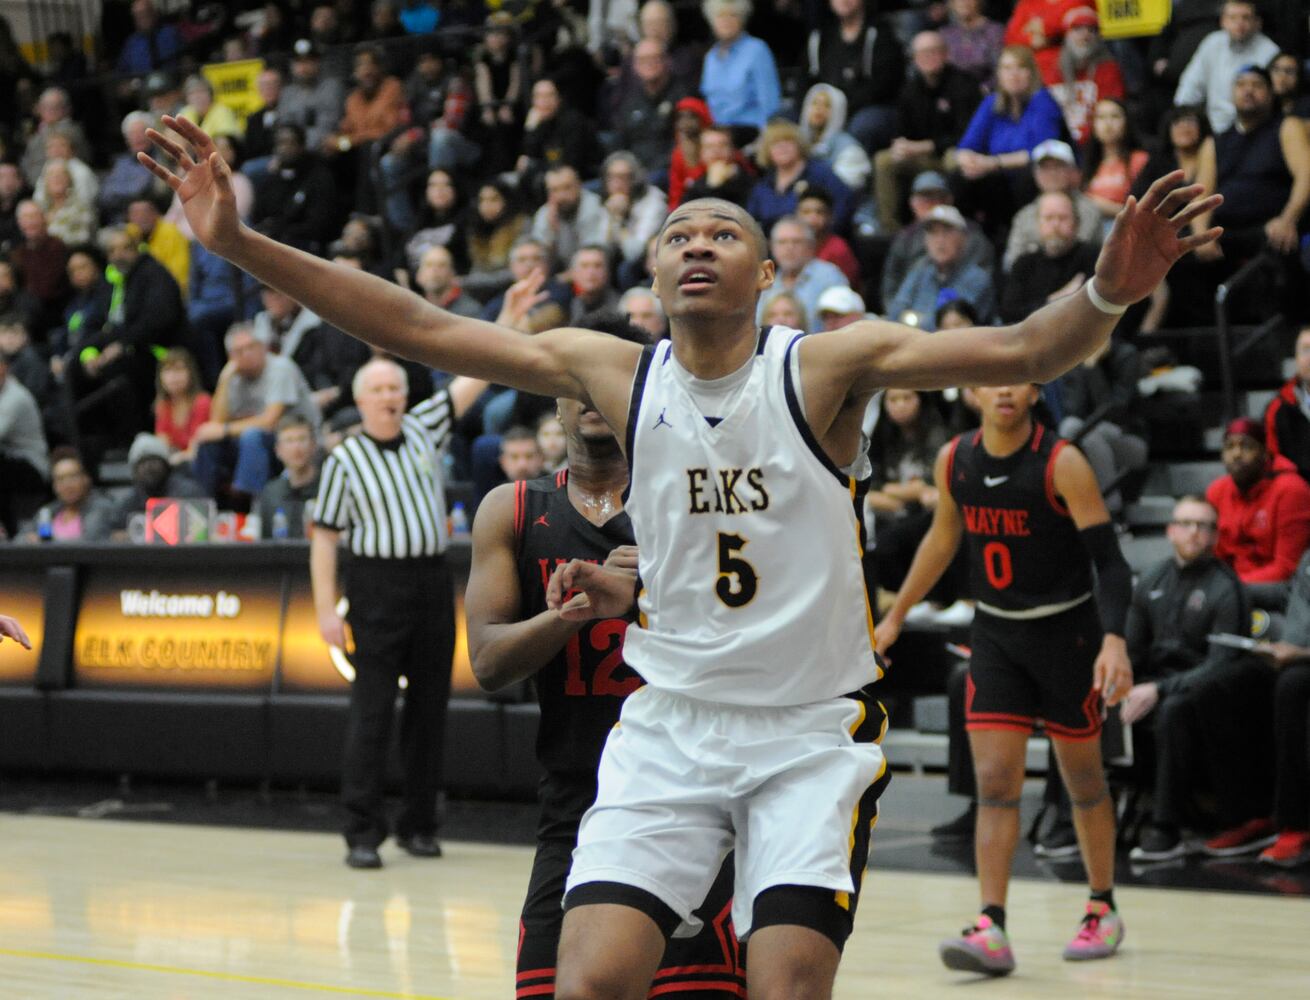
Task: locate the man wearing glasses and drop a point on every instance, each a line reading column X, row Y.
column 1198, row 709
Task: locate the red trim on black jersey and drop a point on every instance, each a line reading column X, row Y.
column 1038, row 430
column 1056, row 503
column 950, row 461
column 520, row 506
column 561, row 478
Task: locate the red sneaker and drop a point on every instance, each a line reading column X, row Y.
column 1253, row 835
column 1292, row 848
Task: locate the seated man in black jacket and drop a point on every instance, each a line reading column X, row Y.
column 296, row 201
column 1199, row 711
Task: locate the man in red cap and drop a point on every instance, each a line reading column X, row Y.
column 1084, row 73
column 1264, row 514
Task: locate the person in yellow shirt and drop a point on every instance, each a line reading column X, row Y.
column 162, row 240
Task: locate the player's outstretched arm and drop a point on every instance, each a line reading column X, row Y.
column 1144, row 244
column 568, row 363
column 503, row 648
column 931, row 559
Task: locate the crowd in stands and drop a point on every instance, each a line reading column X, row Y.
column 942, row 165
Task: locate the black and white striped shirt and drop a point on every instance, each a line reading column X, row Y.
column 389, row 497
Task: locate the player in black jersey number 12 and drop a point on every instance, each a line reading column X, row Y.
column 1029, row 510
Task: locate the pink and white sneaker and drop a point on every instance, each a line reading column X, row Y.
column 982, row 948
column 1099, row 935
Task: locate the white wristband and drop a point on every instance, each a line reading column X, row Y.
column 1101, row 303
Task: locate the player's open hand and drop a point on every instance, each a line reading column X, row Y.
column 581, row 590
column 203, row 183
column 1112, row 673
column 10, row 627
column 1145, row 241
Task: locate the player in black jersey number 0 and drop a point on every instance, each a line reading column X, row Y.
column 1027, row 506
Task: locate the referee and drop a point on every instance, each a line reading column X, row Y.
column 384, row 488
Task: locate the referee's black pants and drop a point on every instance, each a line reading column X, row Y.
column 402, row 617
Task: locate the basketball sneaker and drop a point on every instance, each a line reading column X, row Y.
column 1158, row 843
column 1099, row 935
column 1059, row 843
column 1292, row 848
column 1251, row 836
column 982, row 948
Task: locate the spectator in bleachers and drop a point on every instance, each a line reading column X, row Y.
column 1055, row 171
column 1287, row 417
column 219, row 295
column 1114, row 158
column 1057, row 269
column 296, row 202
column 163, row 94
column 152, row 45
column 1262, row 168
column 551, row 444
column 127, row 179
column 1182, row 133
column 17, row 78
column 1288, row 78
column 298, row 482
column 13, row 190
column 572, row 216
column 634, row 208
column 13, row 297
column 1208, row 78
column 439, row 223
column 453, row 142
column 907, row 248
column 723, row 171
column 644, row 121
column 529, row 256
column 840, row 306
column 436, row 281
column 932, row 112
column 1085, row 73
column 1289, row 657
column 739, row 78
column 1197, row 709
column 1105, row 383
column 784, row 156
column 493, row 226
column 1264, row 514
column 691, row 117
column 41, row 260
column 162, row 240
column 152, row 477
column 1040, row 26
column 78, row 512
column 213, row 116
column 860, row 55
column 23, row 452
column 25, row 364
column 943, row 268
column 993, row 156
column 786, row 309
column 589, row 271
column 498, row 79
column 87, row 309
column 384, row 22
column 554, row 136
column 823, row 117
column 520, row 455
column 643, row 309
column 260, row 124
column 53, row 115
column 373, row 109
column 254, row 392
column 814, row 208
column 899, row 505
column 973, row 42
column 59, row 146
column 69, row 215
column 311, row 100
column 792, row 246
column 181, row 404
column 657, row 20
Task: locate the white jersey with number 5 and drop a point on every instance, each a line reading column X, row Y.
column 749, row 550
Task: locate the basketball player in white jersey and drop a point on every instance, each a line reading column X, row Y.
column 754, row 729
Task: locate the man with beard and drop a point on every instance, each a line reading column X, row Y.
column 572, row 216
column 1057, row 269
column 1085, row 73
column 522, row 532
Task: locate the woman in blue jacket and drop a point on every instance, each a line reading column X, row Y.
column 788, row 173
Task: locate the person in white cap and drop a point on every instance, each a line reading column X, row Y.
column 840, row 306
column 944, row 267
column 1055, row 169
column 792, row 247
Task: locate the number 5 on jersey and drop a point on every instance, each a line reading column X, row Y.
column 738, row 581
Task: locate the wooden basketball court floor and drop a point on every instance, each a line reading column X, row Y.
column 112, row 909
